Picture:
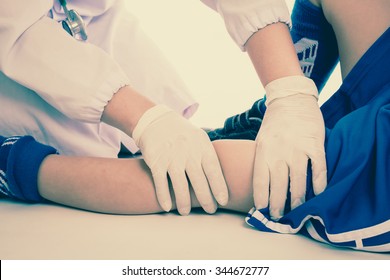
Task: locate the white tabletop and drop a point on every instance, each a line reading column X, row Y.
column 56, row 232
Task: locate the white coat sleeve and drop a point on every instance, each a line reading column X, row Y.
column 76, row 78
column 243, row 18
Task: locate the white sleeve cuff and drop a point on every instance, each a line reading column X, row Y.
column 243, row 18
column 95, row 104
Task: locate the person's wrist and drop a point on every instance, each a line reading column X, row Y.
column 125, row 109
column 288, row 86
column 148, row 117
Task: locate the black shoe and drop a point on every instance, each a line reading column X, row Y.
column 242, row 126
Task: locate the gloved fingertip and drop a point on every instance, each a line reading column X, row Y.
column 211, row 210
column 184, row 211
column 210, row 207
column 222, row 198
column 297, row 202
column 260, row 203
column 276, row 214
column 320, row 183
column 166, row 205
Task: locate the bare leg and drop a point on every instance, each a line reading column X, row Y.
column 125, row 186
column 357, row 25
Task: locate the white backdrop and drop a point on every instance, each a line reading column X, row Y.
column 219, row 75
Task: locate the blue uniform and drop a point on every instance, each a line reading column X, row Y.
column 354, row 210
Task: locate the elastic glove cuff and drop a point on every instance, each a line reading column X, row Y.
column 288, row 86
column 245, row 17
column 148, row 118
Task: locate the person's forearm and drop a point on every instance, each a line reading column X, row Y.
column 272, row 53
column 125, row 109
column 119, row 186
column 125, row 186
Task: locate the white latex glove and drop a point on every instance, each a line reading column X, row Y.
column 172, row 146
column 292, row 132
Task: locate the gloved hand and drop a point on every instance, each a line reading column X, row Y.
column 172, row 146
column 292, row 132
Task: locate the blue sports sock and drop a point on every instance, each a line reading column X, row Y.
column 314, row 41
column 20, row 159
column 5, row 148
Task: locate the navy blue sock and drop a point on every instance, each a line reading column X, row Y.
column 314, row 41
column 20, row 159
column 5, row 148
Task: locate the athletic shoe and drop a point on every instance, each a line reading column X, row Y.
column 242, row 126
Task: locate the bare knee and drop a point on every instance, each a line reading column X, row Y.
column 237, row 159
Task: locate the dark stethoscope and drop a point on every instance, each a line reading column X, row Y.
column 73, row 24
